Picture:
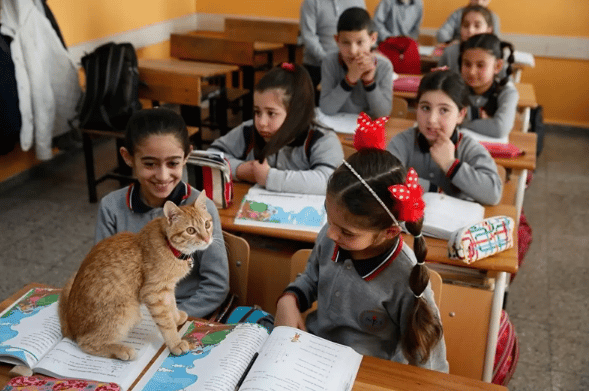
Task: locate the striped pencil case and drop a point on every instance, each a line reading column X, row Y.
column 490, row 236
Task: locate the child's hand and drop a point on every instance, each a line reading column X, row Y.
column 261, row 171
column 287, row 313
column 368, row 66
column 354, row 71
column 443, row 152
column 483, row 114
column 245, row 172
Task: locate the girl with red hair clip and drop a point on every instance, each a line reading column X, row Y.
column 283, row 149
column 372, row 290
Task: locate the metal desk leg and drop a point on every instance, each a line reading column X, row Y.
column 526, row 119
column 494, row 320
column 519, row 195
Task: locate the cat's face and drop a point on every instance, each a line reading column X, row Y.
column 190, row 227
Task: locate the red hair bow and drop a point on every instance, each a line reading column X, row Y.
column 409, row 196
column 288, row 66
column 369, row 133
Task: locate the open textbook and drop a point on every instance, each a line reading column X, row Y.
column 245, row 357
column 445, row 214
column 265, row 208
column 30, row 335
column 340, row 122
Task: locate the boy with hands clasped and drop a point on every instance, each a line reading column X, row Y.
column 355, row 79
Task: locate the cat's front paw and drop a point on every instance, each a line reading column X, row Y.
column 181, row 347
column 181, row 317
column 124, row 353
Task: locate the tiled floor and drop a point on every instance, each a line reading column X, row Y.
column 47, row 226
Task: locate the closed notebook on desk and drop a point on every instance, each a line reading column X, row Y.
column 444, row 215
column 270, row 209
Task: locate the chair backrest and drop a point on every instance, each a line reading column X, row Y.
column 436, row 283
column 298, row 262
column 400, row 107
column 238, row 254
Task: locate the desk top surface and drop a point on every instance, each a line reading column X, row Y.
column 222, row 35
column 374, row 374
column 505, row 261
column 524, row 141
column 185, row 67
column 527, row 94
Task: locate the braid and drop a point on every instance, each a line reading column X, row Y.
column 424, row 329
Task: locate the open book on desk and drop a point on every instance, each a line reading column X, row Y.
column 340, row 122
column 245, row 357
column 30, row 335
column 445, row 214
column 270, row 209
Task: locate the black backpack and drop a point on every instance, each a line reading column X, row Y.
column 112, row 83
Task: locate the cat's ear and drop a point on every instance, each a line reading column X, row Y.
column 201, row 201
column 171, row 211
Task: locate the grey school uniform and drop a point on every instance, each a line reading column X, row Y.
column 318, row 25
column 304, row 166
column 500, row 103
column 337, row 96
column 450, row 30
column 473, row 175
column 205, row 288
column 365, row 304
column 393, row 18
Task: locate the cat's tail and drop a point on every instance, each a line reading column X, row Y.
column 63, row 297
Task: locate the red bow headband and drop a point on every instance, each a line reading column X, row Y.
column 369, row 133
column 411, row 203
column 288, row 66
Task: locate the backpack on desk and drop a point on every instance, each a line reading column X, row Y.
column 403, row 53
column 112, row 87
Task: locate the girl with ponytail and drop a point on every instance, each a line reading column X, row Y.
column 493, row 96
column 372, row 290
column 283, row 149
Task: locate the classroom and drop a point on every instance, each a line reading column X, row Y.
column 48, row 214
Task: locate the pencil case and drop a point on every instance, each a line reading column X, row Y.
column 211, row 172
column 407, row 83
column 481, row 240
column 502, row 150
column 37, row 383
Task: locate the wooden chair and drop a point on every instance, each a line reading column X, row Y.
column 436, row 283
column 238, row 254
column 400, row 107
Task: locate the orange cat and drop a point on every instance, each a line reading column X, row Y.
column 100, row 304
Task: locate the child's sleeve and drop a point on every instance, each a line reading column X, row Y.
column 212, row 274
column 325, row 155
column 335, row 91
column 496, row 24
column 233, row 145
column 450, row 30
column 414, row 33
column 380, row 93
column 382, row 13
column 501, row 123
column 476, row 173
column 105, row 221
column 401, row 146
column 308, row 27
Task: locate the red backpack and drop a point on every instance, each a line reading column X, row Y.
column 507, row 352
column 403, row 53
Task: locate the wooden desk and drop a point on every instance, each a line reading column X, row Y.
column 176, row 81
column 374, row 374
column 265, row 30
column 220, row 48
